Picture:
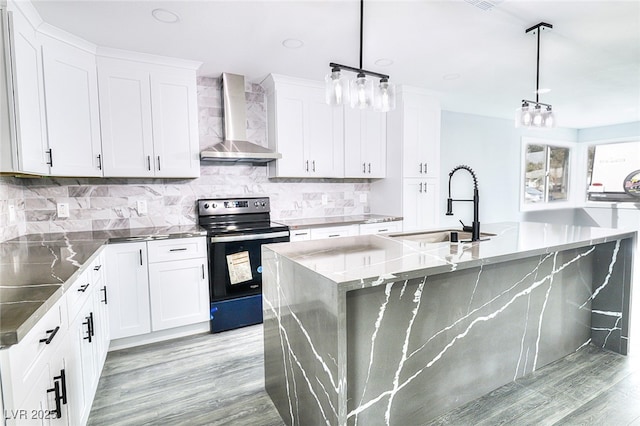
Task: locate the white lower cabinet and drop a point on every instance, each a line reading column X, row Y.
column 129, row 310
column 157, row 285
column 380, row 228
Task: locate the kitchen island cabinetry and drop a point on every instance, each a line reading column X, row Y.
column 304, row 129
column 71, row 99
column 409, row 326
column 148, row 116
column 27, row 151
column 365, row 143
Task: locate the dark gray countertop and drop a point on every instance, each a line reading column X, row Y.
column 318, row 222
column 36, row 269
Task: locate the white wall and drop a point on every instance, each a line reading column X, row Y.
column 491, row 147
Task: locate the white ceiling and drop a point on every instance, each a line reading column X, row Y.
column 590, row 60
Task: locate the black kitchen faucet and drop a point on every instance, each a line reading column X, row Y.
column 475, row 226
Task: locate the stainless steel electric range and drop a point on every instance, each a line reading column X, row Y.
column 236, row 230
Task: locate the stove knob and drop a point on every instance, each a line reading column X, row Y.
column 263, row 204
column 206, row 206
column 214, row 205
column 257, row 204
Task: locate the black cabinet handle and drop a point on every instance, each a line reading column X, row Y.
column 50, row 154
column 99, row 161
column 203, row 271
column 425, row 167
column 364, row 167
column 48, row 339
column 83, row 288
column 307, row 166
column 58, row 398
column 334, row 235
column 158, row 163
column 91, row 327
column 149, row 162
column 63, row 385
column 89, row 324
column 369, row 167
column 104, row 289
column 314, row 165
column 420, row 167
column 140, row 257
column 179, row 249
column 97, row 267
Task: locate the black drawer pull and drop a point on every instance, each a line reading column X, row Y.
column 63, row 384
column 203, row 271
column 179, row 249
column 383, row 230
column 334, row 235
column 48, row 340
column 140, row 257
column 83, row 288
column 57, row 397
column 301, row 233
column 104, row 289
column 97, row 267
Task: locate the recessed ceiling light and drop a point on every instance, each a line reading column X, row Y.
column 451, row 76
column 293, row 43
column 165, row 16
column 384, row 62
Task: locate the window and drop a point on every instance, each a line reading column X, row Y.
column 546, row 174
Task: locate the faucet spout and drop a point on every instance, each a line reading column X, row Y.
column 475, row 225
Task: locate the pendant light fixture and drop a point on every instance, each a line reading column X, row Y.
column 535, row 113
column 359, row 92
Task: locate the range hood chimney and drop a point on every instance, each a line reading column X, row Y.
column 235, row 147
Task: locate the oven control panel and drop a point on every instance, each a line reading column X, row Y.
column 224, row 206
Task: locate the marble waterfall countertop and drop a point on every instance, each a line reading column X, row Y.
column 391, row 257
column 36, row 270
column 317, row 222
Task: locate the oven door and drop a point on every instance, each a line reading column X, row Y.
column 235, row 264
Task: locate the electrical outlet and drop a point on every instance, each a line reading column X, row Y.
column 325, row 199
column 141, row 207
column 12, row 213
column 63, row 210
column 363, row 197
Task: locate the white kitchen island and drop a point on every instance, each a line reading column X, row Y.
column 398, row 329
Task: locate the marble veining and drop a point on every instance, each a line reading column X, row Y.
column 435, row 328
column 36, row 270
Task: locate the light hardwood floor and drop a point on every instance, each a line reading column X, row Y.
column 217, row 379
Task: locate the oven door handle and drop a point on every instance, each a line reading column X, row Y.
column 249, row 237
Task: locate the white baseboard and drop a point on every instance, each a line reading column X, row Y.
column 159, row 336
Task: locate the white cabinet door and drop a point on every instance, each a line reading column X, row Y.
column 324, row 136
column 73, row 123
column 365, row 143
column 421, row 136
column 175, row 124
column 127, row 275
column 304, row 129
column 85, row 378
column 420, row 204
column 335, row 231
column 32, row 155
column 101, row 322
column 179, row 293
column 380, row 228
column 125, row 113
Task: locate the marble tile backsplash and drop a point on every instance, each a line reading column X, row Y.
column 109, row 203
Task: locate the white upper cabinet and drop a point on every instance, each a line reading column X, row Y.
column 365, row 143
column 420, row 135
column 71, row 99
column 304, row 129
column 149, row 119
column 28, row 152
column 175, row 124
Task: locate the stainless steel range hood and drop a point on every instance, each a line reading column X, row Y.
column 235, row 147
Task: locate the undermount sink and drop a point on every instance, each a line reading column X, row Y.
column 439, row 236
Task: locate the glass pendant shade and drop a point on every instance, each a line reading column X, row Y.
column 385, row 96
column 361, row 92
column 524, row 116
column 538, row 119
column 336, row 88
column 549, row 118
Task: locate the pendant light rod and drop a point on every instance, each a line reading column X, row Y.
column 361, row 30
column 539, row 28
column 358, row 70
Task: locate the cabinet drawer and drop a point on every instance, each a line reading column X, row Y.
column 23, row 362
column 379, row 228
column 79, row 292
column 335, row 231
column 300, row 235
column 176, row 249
